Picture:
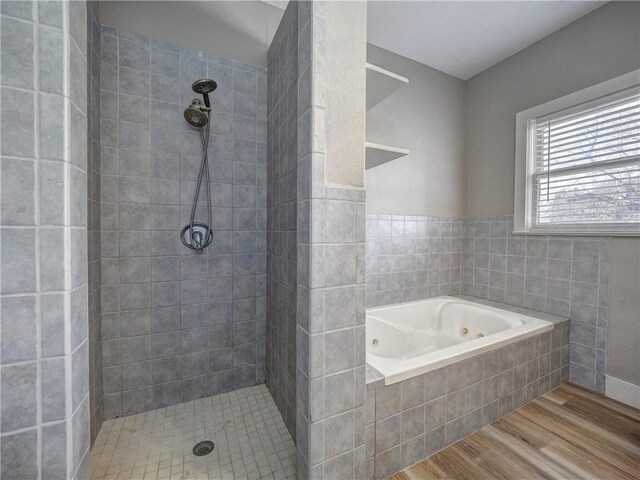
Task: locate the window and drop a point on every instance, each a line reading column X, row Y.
column 578, row 162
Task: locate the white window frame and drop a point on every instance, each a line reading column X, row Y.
column 525, row 160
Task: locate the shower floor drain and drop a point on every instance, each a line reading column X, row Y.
column 203, row 448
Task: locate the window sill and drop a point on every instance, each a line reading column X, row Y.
column 577, row 233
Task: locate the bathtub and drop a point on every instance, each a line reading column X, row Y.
column 412, row 338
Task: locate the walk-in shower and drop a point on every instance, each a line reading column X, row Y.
column 198, row 235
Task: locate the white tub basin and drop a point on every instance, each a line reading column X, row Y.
column 413, row 338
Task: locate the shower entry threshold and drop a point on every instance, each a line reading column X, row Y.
column 250, row 437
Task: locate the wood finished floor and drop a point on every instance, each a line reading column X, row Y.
column 568, row 433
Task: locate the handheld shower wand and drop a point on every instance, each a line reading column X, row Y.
column 197, row 235
column 204, row 86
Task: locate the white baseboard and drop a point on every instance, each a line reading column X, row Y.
column 622, row 391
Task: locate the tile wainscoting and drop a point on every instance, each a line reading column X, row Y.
column 412, row 257
column 413, row 419
column 562, row 275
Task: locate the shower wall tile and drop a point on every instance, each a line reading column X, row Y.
column 171, row 309
column 18, row 192
column 561, row 275
column 17, row 116
column 17, row 57
column 331, row 337
column 18, row 9
column 19, row 408
column 46, row 244
column 281, row 176
column 17, row 452
column 54, row 445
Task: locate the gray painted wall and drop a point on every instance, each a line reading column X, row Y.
column 179, row 325
column 600, row 46
column 427, row 117
column 623, row 352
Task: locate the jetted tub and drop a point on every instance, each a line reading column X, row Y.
column 413, row 338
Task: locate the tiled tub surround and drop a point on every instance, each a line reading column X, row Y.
column 44, row 350
column 566, row 276
column 415, row 418
column 282, row 191
column 412, row 257
column 179, row 325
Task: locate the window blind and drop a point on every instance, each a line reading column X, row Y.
column 586, row 164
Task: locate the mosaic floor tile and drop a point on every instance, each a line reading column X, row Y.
column 250, row 437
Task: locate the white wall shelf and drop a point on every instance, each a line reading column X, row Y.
column 377, row 154
column 381, row 83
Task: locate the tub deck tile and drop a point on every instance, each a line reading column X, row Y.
column 373, row 377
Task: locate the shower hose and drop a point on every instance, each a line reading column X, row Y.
column 197, row 241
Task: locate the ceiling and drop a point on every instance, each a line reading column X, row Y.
column 240, row 30
column 463, row 38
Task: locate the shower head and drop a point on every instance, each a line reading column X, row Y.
column 204, row 86
column 194, row 115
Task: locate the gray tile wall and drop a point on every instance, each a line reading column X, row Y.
column 93, row 217
column 282, row 203
column 561, row 275
column 179, row 325
column 330, row 378
column 44, row 361
column 331, row 334
column 415, row 418
column 412, row 257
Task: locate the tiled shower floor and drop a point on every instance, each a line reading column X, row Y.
column 251, row 441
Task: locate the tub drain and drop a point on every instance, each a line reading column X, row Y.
column 203, row 448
